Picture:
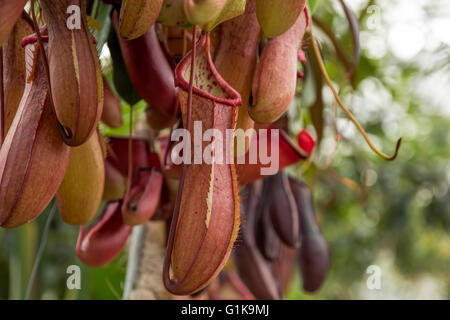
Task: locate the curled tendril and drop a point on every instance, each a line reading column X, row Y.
column 345, row 109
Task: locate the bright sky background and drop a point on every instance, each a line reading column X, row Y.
column 412, row 24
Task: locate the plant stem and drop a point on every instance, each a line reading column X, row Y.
column 345, row 109
column 143, row 280
column 130, row 156
column 136, row 243
column 40, row 250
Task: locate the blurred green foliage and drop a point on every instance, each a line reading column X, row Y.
column 399, row 212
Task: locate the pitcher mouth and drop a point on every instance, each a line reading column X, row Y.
column 234, row 98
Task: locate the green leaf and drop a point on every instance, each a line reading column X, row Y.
column 102, row 16
column 312, row 5
column 121, row 80
column 124, row 131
